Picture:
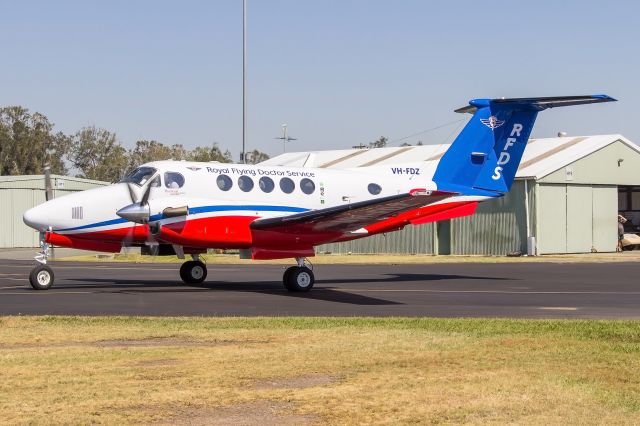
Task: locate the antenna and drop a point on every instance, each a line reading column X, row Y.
column 285, row 138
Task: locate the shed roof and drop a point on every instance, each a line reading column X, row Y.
column 541, row 156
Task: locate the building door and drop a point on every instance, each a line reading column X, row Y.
column 576, row 218
column 579, row 219
column 552, row 223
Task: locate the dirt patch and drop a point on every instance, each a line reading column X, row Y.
column 263, row 413
column 158, row 362
column 128, row 343
column 299, row 382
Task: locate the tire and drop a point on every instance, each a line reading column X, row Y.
column 41, row 277
column 193, row 272
column 299, row 279
column 285, row 276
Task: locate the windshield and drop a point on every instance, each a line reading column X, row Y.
column 139, row 176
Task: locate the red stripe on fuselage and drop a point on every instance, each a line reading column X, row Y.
column 235, row 231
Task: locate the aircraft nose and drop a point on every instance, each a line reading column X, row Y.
column 36, row 218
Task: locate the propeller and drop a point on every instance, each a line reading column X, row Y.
column 138, row 211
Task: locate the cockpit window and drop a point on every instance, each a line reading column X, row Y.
column 173, row 180
column 139, row 176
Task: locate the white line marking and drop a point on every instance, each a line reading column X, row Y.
column 557, row 308
column 481, row 291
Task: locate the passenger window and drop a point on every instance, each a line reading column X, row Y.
column 245, row 183
column 224, row 182
column 287, row 186
column 307, row 186
column 173, row 180
column 266, row 184
column 155, row 183
column 374, row 189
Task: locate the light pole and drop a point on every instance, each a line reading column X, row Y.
column 244, row 81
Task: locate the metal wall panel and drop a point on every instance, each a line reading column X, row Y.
column 411, row 240
column 605, row 224
column 579, row 219
column 20, row 193
column 497, row 228
column 552, row 219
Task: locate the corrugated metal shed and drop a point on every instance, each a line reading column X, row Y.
column 541, row 156
column 570, row 203
column 20, row 193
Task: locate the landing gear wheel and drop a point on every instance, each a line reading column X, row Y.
column 41, row 277
column 193, row 272
column 298, row 278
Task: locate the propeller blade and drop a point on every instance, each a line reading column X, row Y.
column 132, row 193
column 145, row 195
column 48, row 190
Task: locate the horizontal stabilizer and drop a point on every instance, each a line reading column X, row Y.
column 534, row 104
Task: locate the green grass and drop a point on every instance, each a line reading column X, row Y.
column 131, row 370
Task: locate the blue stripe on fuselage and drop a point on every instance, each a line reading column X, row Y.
column 193, row 211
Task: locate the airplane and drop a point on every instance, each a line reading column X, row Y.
column 275, row 212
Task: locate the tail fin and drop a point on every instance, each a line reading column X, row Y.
column 486, row 154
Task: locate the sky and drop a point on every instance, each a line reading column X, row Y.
column 338, row 72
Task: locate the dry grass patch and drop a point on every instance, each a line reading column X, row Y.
column 58, row 370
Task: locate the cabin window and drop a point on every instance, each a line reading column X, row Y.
column 287, row 186
column 266, row 184
column 139, row 176
column 173, row 180
column 374, row 189
column 155, row 183
column 224, row 182
column 245, row 183
column 307, row 186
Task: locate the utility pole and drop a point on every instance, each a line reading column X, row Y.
column 243, row 155
column 285, row 138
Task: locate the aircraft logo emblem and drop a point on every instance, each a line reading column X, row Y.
column 492, row 122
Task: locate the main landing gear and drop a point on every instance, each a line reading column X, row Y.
column 42, row 277
column 299, row 278
column 193, row 271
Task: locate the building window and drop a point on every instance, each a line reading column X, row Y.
column 173, row 180
column 286, row 185
column 266, row 184
column 374, row 188
column 224, row 182
column 245, row 183
column 307, row 186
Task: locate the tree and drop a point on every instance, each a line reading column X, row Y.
column 27, row 143
column 206, row 154
column 380, row 143
column 146, row 151
column 255, row 157
column 98, row 155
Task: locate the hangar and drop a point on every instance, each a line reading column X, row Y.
column 566, row 197
column 20, row 193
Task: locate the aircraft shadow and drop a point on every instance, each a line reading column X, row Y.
column 271, row 288
column 390, row 278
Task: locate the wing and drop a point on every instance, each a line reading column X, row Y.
column 353, row 216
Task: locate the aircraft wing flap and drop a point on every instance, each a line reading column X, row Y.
column 353, row 216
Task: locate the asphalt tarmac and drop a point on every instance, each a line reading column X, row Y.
column 516, row 290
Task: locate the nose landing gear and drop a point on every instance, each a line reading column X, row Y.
column 193, row 271
column 42, row 277
column 299, row 278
